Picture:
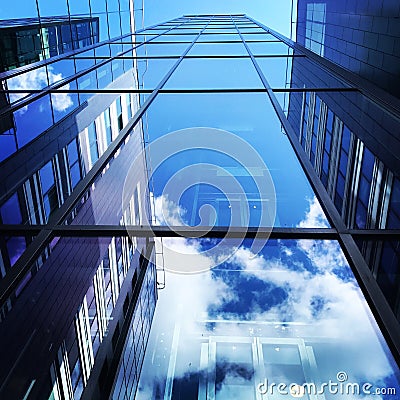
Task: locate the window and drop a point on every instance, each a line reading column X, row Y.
column 49, row 190
column 119, row 114
column 343, row 161
column 315, row 27
column 93, row 147
column 107, row 121
column 75, row 169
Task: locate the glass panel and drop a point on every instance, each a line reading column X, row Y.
column 225, row 31
column 113, row 5
column 78, row 7
column 46, row 177
column 10, row 211
column 64, row 103
column 218, row 49
column 29, row 128
column 35, row 79
column 103, row 26
column 101, row 51
column 47, row 9
column 151, row 72
column 162, row 49
column 211, row 37
column 269, row 48
column 383, row 258
column 84, row 63
column 211, row 73
column 102, row 203
column 20, row 9
column 98, row 6
column 125, row 22
column 254, row 322
column 277, row 70
column 258, row 36
column 269, row 153
column 169, row 38
column 60, row 70
column 7, row 145
column 114, row 25
column 189, row 31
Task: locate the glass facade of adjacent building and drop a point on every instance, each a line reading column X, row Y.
column 196, row 222
column 64, row 313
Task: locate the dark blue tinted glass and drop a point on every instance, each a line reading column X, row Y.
column 47, row 177
column 10, row 211
column 29, row 128
column 15, row 246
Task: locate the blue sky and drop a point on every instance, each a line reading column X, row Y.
column 275, row 14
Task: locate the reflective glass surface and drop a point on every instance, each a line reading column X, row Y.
column 153, row 49
column 29, row 128
column 291, row 314
column 35, row 79
column 268, row 153
column 170, row 37
column 276, row 69
column 209, row 37
column 211, row 73
column 152, row 71
column 228, row 49
column 20, row 9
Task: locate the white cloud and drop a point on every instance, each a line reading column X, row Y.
column 323, row 305
column 37, row 79
column 314, row 217
column 167, row 212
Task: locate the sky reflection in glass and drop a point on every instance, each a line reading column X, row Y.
column 291, row 314
column 259, row 126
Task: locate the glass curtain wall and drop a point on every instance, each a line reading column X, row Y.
column 202, row 170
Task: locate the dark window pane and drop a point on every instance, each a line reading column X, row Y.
column 10, row 211
column 29, row 128
column 15, row 247
column 47, row 177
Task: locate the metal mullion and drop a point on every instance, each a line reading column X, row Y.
column 319, row 89
column 45, row 91
column 22, row 265
column 108, row 91
column 172, row 231
column 119, row 230
column 373, row 294
column 213, row 90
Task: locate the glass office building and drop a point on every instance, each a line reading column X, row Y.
column 199, row 222
column 25, row 41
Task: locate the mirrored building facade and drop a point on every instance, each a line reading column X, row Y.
column 192, row 211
